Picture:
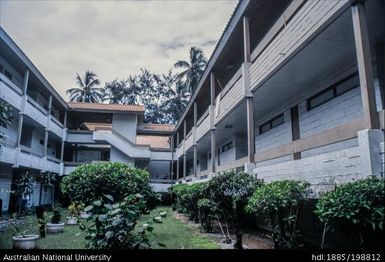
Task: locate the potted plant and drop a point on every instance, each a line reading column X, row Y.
column 83, row 213
column 22, row 239
column 73, row 213
column 56, row 226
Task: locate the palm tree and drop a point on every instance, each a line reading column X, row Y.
column 87, row 90
column 193, row 69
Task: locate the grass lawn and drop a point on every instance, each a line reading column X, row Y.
column 176, row 234
column 172, row 233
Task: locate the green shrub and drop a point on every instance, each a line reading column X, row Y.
column 279, row 203
column 208, row 213
column 112, row 225
column 187, row 197
column 92, row 181
column 360, row 203
column 230, row 190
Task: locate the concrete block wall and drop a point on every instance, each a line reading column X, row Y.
column 325, row 171
column 333, row 113
column 274, row 137
column 322, row 171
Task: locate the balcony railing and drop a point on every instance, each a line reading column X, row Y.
column 10, row 93
column 203, row 125
column 230, row 97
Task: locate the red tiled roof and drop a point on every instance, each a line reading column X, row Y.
column 105, row 107
column 156, row 127
column 153, row 141
column 94, row 126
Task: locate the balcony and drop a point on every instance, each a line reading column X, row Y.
column 36, row 112
column 27, row 158
column 79, row 137
column 203, row 125
column 10, row 93
column 231, row 95
column 52, row 165
column 285, row 39
column 56, row 127
column 189, row 140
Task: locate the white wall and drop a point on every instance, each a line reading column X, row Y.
column 274, row 137
column 333, row 113
column 125, row 124
column 117, row 156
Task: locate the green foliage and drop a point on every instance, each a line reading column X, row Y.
column 47, row 179
column 21, row 226
column 279, row 202
column 187, row 197
column 74, row 209
column 360, row 203
column 230, row 190
column 56, row 217
column 112, row 224
column 5, row 119
column 92, row 181
column 208, row 213
column 24, row 184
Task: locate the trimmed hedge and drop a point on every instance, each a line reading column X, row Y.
column 92, row 181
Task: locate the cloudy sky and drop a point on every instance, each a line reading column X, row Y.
column 112, row 38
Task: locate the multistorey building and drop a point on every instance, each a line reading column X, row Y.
column 293, row 90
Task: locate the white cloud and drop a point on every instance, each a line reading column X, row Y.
column 112, row 38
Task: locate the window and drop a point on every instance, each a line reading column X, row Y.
column 227, row 147
column 41, row 142
column 276, row 121
column 333, row 91
column 209, row 155
column 1, row 69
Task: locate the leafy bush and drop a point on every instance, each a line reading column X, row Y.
column 5, row 119
column 56, row 217
column 279, row 202
column 113, row 224
column 360, row 203
column 208, row 213
column 230, row 190
column 187, row 197
column 92, row 181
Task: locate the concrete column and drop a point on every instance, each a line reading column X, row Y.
column 21, row 113
column 195, row 154
column 380, row 55
column 172, row 157
column 364, row 62
column 295, row 131
column 369, row 142
column 184, row 166
column 63, row 138
column 177, row 161
column 184, row 149
column 212, row 124
column 248, row 94
column 47, row 127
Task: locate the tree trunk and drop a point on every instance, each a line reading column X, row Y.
column 238, row 236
